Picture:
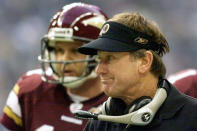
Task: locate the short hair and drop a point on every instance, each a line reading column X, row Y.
column 138, row 22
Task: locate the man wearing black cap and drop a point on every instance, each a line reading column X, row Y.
column 130, row 50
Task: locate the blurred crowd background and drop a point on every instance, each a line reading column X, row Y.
column 24, row 22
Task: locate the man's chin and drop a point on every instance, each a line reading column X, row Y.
column 108, row 91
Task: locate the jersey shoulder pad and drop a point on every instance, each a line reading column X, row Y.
column 30, row 81
column 182, row 75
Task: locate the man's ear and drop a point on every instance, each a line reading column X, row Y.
column 146, row 62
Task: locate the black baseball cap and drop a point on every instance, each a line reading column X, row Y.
column 116, row 37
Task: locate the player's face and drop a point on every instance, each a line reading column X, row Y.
column 66, row 51
column 118, row 72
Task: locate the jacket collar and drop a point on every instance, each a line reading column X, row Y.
column 173, row 103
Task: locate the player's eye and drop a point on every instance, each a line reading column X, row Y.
column 74, row 51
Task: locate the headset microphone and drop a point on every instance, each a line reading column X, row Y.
column 142, row 116
column 85, row 115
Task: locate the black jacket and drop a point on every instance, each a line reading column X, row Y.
column 178, row 113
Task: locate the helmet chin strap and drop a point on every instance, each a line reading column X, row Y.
column 77, row 83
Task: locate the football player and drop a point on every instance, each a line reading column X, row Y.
column 46, row 98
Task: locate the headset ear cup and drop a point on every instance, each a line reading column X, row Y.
column 137, row 104
column 143, row 102
column 114, row 107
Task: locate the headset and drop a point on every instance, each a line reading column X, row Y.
column 140, row 112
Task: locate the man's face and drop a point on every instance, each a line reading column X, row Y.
column 66, row 51
column 118, row 72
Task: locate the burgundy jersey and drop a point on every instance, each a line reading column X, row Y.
column 185, row 81
column 37, row 105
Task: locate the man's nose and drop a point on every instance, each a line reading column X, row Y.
column 101, row 68
column 67, row 56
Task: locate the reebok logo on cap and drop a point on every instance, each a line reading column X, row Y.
column 141, row 40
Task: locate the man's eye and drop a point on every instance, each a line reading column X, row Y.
column 106, row 59
column 98, row 59
column 109, row 58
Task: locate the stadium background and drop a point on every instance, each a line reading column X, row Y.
column 24, row 22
